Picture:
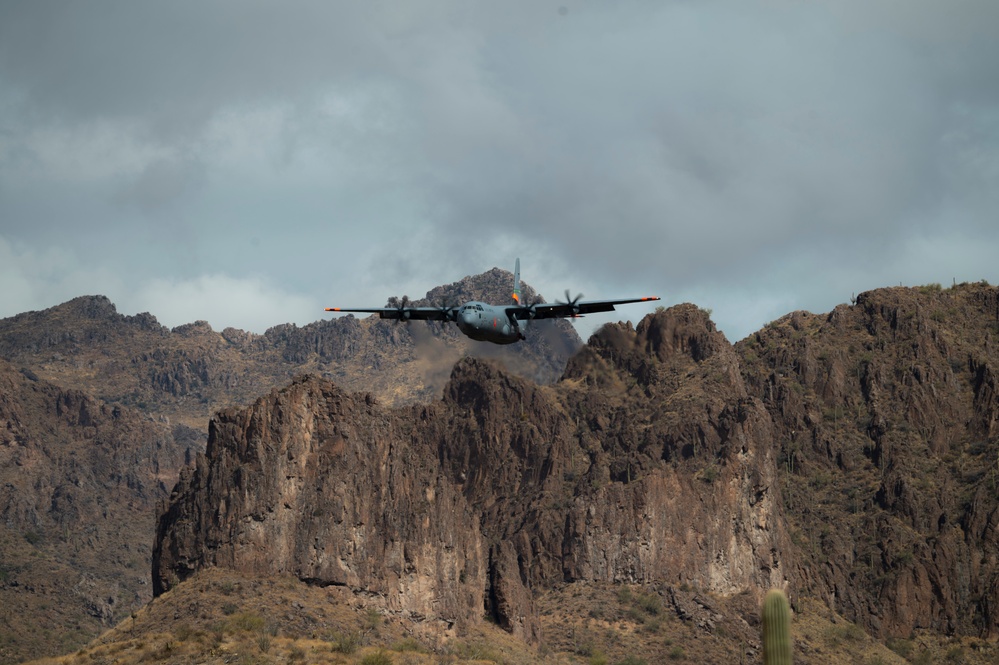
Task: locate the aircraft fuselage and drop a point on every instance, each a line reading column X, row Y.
column 488, row 323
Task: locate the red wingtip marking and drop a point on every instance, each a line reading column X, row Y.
column 332, row 309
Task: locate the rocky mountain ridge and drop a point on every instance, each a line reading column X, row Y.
column 99, row 412
column 191, row 371
column 852, row 456
column 849, row 456
column 468, row 503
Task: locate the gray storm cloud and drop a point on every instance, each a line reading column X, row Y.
column 751, row 157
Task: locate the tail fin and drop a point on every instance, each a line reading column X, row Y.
column 516, row 283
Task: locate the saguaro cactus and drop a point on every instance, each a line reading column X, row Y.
column 776, row 629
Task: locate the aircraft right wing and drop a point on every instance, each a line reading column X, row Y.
column 560, row 310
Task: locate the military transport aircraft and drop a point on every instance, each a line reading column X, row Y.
column 499, row 324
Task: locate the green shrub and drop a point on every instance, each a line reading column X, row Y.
column 183, row 632
column 377, row 658
column 372, row 618
column 344, row 642
column 408, row 644
column 849, row 632
column 650, row 603
column 597, row 658
column 902, row 647
column 955, row 655
column 470, row 651
column 632, row 660
column 246, row 621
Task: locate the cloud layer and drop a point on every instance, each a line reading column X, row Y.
column 247, row 162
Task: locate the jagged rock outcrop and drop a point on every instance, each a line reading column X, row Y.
column 316, row 482
column 885, row 415
column 850, row 456
column 699, row 446
column 501, row 487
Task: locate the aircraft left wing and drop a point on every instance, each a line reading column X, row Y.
column 560, row 310
column 404, row 313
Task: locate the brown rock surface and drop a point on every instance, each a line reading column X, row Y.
column 885, row 419
column 851, row 456
column 79, row 484
column 501, row 488
column 319, row 484
column 85, row 348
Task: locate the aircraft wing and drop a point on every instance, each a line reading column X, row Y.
column 558, row 310
column 404, row 313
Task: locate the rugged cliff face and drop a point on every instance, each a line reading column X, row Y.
column 79, row 485
column 885, row 416
column 102, row 411
column 682, row 422
column 850, row 456
column 648, row 463
column 316, row 482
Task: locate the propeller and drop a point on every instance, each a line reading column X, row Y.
column 532, row 307
column 571, row 302
column 450, row 312
column 400, row 304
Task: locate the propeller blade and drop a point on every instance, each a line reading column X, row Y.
column 449, row 311
column 403, row 314
column 571, row 302
column 532, row 309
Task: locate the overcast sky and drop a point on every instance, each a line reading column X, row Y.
column 251, row 162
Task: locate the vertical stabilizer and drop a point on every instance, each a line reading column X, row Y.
column 516, row 283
